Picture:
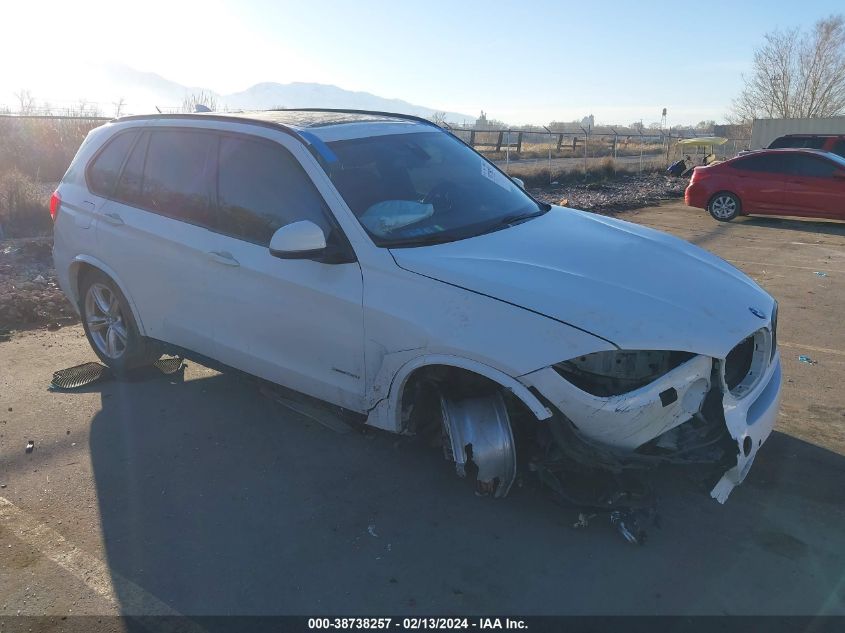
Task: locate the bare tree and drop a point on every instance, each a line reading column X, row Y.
column 796, row 74
column 202, row 98
column 85, row 108
column 26, row 102
column 438, row 118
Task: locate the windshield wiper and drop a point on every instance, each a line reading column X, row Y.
column 512, row 220
column 422, row 240
column 439, row 238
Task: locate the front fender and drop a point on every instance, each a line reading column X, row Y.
column 387, row 413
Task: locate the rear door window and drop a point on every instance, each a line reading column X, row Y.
column 262, row 187
column 770, row 163
column 176, row 179
column 104, row 170
column 809, row 166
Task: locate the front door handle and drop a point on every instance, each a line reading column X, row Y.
column 223, row 257
column 113, row 218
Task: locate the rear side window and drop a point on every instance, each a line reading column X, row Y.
column 176, row 181
column 809, row 166
column 103, row 171
column 129, row 186
column 771, row 163
column 261, row 187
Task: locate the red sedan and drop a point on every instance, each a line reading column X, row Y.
column 801, row 182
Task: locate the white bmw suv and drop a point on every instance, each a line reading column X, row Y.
column 375, row 262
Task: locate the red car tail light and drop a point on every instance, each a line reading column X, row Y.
column 55, row 203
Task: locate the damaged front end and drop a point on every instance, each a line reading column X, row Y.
column 627, row 409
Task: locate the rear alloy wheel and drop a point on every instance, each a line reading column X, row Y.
column 724, row 206
column 110, row 327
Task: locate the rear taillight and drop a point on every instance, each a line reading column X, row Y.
column 699, row 173
column 55, row 203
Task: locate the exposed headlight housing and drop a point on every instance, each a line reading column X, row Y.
column 620, row 371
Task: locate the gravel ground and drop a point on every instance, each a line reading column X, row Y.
column 621, row 194
column 29, row 294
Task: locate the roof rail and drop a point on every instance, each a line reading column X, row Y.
column 202, row 116
column 239, row 116
column 309, row 140
column 395, row 115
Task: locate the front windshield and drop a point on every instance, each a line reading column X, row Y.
column 424, row 187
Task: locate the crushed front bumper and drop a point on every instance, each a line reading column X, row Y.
column 750, row 421
column 626, row 422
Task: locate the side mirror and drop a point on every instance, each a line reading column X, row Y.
column 519, row 182
column 298, row 240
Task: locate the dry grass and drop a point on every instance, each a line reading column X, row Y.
column 24, row 210
column 41, row 148
column 537, row 174
column 597, row 148
column 34, row 151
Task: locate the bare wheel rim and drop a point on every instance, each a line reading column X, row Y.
column 723, row 207
column 105, row 320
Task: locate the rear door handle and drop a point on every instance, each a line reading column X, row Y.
column 113, row 218
column 223, row 257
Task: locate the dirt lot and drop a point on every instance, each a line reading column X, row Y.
column 29, row 294
column 194, row 495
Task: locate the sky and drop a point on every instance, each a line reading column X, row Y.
column 521, row 62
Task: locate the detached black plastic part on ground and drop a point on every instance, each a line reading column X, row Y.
column 88, row 374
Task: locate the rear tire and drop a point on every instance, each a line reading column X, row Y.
column 724, row 206
column 110, row 326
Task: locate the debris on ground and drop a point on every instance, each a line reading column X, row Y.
column 90, row 373
column 820, row 273
column 620, row 194
column 628, row 526
column 371, row 530
column 30, row 446
column 29, row 293
column 583, row 520
column 80, row 376
column 806, row 359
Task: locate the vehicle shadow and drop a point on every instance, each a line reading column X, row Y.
column 820, row 227
column 215, row 500
column 824, row 227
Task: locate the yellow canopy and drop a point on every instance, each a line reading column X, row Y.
column 703, row 140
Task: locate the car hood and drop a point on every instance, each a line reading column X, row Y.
column 635, row 287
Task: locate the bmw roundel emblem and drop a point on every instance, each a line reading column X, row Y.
column 759, row 314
